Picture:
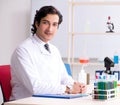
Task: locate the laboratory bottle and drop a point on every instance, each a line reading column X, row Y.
column 116, row 61
column 116, row 58
column 82, row 78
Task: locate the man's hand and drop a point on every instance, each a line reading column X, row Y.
column 77, row 88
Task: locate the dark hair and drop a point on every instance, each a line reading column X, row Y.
column 42, row 12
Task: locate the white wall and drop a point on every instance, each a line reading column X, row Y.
column 15, row 16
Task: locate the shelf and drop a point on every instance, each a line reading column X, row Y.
column 95, row 3
column 94, row 33
column 92, row 63
column 72, row 32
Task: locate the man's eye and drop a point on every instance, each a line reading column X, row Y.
column 55, row 24
column 45, row 22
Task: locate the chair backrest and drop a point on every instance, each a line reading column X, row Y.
column 68, row 69
column 5, row 78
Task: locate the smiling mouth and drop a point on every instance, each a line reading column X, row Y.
column 47, row 33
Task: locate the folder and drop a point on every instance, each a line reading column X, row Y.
column 64, row 96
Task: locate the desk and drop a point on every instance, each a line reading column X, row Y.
column 52, row 101
column 55, row 101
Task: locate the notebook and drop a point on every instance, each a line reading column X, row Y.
column 65, row 96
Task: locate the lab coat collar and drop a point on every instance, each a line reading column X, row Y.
column 40, row 44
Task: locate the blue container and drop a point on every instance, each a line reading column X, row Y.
column 116, row 59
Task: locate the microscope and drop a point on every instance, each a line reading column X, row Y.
column 108, row 63
column 110, row 26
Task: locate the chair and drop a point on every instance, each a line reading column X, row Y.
column 5, row 77
column 68, row 69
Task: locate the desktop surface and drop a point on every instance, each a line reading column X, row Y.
column 52, row 101
column 87, row 100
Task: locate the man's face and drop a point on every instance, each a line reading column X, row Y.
column 47, row 27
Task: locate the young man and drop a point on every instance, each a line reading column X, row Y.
column 37, row 69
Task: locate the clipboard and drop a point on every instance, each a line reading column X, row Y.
column 64, row 96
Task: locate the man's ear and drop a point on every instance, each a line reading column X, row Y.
column 36, row 24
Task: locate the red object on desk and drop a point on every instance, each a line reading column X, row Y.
column 83, row 61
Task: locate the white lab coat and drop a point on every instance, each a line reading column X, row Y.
column 36, row 71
